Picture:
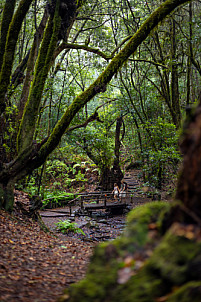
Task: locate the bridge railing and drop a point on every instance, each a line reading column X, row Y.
column 101, row 200
column 99, row 197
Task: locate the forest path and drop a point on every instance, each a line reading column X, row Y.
column 132, row 180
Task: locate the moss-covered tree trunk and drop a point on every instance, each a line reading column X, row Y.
column 28, row 124
column 31, row 64
column 11, row 40
column 116, row 170
column 175, row 101
column 6, row 19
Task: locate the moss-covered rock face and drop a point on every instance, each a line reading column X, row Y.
column 142, row 266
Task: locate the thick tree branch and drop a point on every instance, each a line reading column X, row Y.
column 92, row 118
column 64, row 45
column 85, row 47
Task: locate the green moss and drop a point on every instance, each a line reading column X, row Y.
column 27, row 127
column 140, row 288
column 11, row 40
column 189, row 292
column 172, row 258
column 139, row 219
column 102, row 276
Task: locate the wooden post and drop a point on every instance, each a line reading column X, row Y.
column 82, row 202
column 105, row 201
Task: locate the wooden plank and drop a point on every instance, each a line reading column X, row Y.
column 103, row 206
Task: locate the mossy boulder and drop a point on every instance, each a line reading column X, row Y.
column 141, row 265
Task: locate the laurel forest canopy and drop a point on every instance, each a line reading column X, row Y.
column 87, row 74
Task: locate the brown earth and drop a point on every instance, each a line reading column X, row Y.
column 36, row 266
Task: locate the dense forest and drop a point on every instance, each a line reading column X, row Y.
column 101, row 87
column 108, row 84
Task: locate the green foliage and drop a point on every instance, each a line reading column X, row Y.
column 55, row 167
column 55, row 198
column 58, row 178
column 67, row 226
column 163, row 157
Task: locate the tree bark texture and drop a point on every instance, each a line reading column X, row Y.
column 27, row 127
column 174, row 79
column 11, row 40
column 116, row 170
column 189, row 183
column 6, row 19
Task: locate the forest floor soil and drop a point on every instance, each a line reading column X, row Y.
column 36, row 266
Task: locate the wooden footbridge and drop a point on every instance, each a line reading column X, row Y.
column 87, row 203
column 94, row 201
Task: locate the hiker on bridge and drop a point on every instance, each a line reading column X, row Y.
column 123, row 189
column 116, row 191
